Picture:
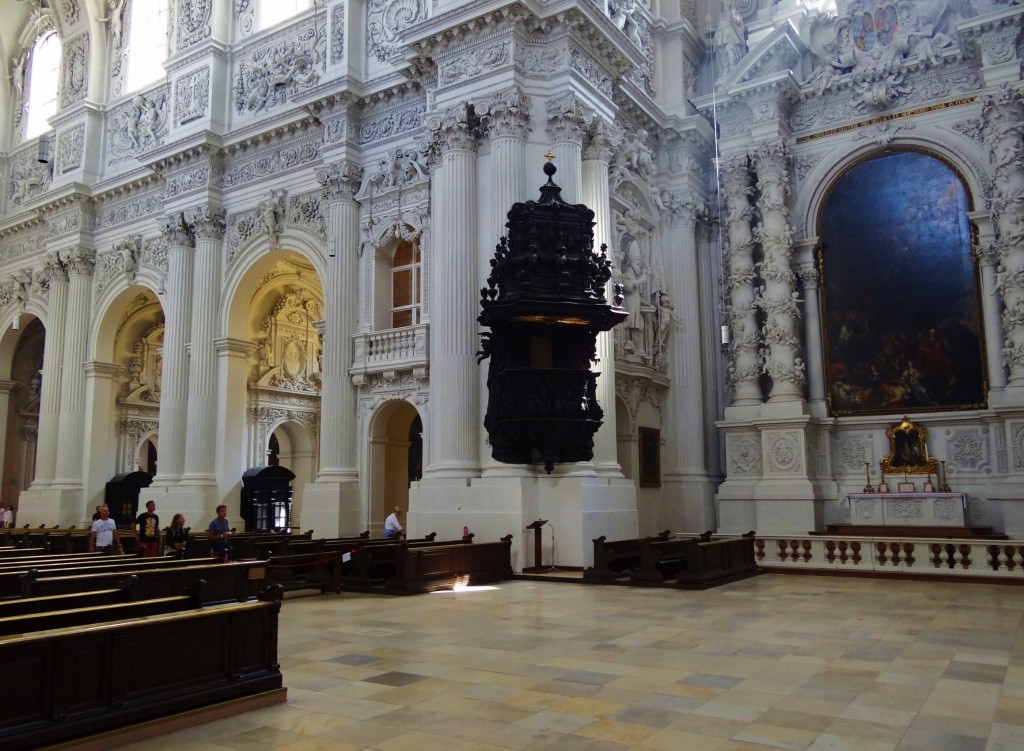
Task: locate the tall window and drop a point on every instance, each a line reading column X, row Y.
column 273, row 12
column 43, row 80
column 406, row 269
column 147, row 43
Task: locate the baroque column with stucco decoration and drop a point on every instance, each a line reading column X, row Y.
column 807, row 271
column 453, row 436
column 783, row 363
column 177, row 303
column 745, row 365
column 567, row 125
column 1003, row 121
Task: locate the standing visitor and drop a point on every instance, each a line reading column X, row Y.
column 147, row 527
column 103, row 534
column 218, row 534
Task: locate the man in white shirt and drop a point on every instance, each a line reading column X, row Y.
column 103, row 535
column 7, row 521
column 392, row 527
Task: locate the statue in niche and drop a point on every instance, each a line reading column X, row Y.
column 272, row 210
column 730, row 37
column 635, row 283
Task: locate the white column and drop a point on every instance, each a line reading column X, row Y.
column 80, row 263
column 53, row 353
column 778, row 300
column 9, row 490
column 684, row 424
column 174, row 379
column 506, row 122
column 596, row 197
column 807, row 270
column 338, row 438
column 454, row 332
column 207, row 224
column 566, row 128
column 745, row 359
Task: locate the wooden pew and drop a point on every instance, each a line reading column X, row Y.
column 225, row 582
column 12, row 577
column 27, row 623
column 719, row 561
column 79, row 682
column 662, row 559
column 373, row 563
column 23, row 605
column 613, row 559
column 431, row 567
column 318, row 570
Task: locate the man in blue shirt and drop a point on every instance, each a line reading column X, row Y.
column 218, row 533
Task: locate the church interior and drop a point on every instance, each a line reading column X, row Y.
column 259, row 254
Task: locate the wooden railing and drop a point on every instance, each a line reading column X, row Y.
column 910, row 556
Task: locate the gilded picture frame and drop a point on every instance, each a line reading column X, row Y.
column 908, row 449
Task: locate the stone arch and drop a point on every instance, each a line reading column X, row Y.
column 965, row 157
column 388, row 459
column 298, row 451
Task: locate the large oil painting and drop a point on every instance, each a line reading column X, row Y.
column 899, row 290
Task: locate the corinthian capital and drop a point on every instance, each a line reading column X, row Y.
column 176, row 231
column 506, row 113
column 567, row 118
column 79, row 261
column 340, row 181
column 455, row 129
column 206, row 222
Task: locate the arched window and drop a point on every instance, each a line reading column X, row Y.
column 272, row 12
column 147, row 43
column 406, row 270
column 43, row 81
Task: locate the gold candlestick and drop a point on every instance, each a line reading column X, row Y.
column 867, row 476
column 883, row 486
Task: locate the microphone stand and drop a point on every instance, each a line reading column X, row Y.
column 553, row 568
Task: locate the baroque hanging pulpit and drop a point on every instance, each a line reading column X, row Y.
column 545, row 304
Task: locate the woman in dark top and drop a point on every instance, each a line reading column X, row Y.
column 176, row 536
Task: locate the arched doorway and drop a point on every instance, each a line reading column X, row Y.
column 21, row 394
column 292, row 446
column 396, row 459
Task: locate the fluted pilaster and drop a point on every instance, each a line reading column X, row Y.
column 685, row 398
column 505, row 121
column 596, row 196
column 177, row 323
column 337, row 394
column 454, row 395
column 53, row 354
column 745, row 357
column 778, row 299
column 987, row 257
column 207, row 226
column 80, row 264
column 567, row 126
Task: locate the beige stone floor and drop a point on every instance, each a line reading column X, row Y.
column 773, row 662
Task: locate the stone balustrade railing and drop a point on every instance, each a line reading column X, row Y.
column 391, row 349
column 974, row 558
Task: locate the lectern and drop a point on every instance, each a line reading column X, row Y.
column 537, row 557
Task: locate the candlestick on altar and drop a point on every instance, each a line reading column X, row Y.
column 883, row 486
column 867, row 476
column 944, row 482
